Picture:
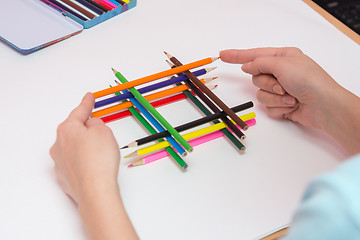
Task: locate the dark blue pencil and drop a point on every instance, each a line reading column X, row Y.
column 150, row 88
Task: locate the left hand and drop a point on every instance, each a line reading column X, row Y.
column 85, row 153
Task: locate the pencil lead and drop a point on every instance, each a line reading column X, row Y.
column 117, row 82
column 209, row 69
column 114, row 71
column 168, row 55
column 214, row 58
column 131, row 165
column 124, row 147
column 130, row 145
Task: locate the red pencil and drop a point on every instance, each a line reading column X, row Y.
column 158, row 103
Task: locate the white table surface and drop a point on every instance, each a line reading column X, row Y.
column 223, row 194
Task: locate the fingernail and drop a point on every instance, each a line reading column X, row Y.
column 278, row 89
column 287, row 99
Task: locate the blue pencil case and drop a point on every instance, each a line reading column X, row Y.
column 40, row 23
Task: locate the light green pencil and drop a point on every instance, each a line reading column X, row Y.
column 155, row 113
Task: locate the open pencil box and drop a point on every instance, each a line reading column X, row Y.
column 29, row 25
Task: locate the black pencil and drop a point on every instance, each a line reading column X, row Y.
column 121, row 2
column 91, row 6
column 97, row 5
column 189, row 125
column 210, row 94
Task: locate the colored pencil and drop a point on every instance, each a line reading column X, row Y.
column 189, row 125
column 156, row 124
column 214, row 108
column 202, row 108
column 150, row 88
column 150, row 97
column 63, row 7
column 98, row 6
column 187, row 136
column 79, row 8
column 153, row 77
column 209, row 93
column 104, row 4
column 158, row 103
column 151, row 130
column 90, row 6
column 121, row 2
column 114, row 2
column 155, row 113
column 195, row 142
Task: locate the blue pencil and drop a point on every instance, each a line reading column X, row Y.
column 150, row 88
column 114, row 2
column 155, row 123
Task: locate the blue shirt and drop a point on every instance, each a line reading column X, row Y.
column 330, row 208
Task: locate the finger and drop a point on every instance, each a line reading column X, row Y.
column 268, row 83
column 282, row 112
column 93, row 122
column 248, row 55
column 274, row 100
column 83, row 111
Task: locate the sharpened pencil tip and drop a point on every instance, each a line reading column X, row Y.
column 168, row 55
column 210, row 69
column 131, row 165
column 124, row 147
column 170, row 63
column 114, row 71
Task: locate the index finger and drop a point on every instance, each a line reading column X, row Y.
column 242, row 56
column 83, row 111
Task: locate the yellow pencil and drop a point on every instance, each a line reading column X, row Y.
column 187, row 136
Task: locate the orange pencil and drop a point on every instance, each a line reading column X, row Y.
column 150, row 97
column 153, row 77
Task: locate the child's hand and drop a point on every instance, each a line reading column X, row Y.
column 85, row 153
column 291, row 85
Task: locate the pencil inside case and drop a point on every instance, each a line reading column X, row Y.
column 88, row 23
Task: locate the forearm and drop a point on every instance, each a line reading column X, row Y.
column 104, row 215
column 343, row 119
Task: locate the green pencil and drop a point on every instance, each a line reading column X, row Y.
column 151, row 130
column 155, row 113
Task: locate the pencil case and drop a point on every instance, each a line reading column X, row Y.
column 40, row 23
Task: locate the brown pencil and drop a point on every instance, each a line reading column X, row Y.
column 210, row 94
column 79, row 8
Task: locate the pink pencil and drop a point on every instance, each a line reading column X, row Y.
column 193, row 143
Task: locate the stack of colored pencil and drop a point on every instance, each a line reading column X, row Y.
column 86, row 9
column 126, row 100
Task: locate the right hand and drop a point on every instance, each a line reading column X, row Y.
column 291, row 85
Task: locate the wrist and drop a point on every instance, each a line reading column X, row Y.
column 341, row 118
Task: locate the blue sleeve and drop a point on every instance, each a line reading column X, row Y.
column 330, row 208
